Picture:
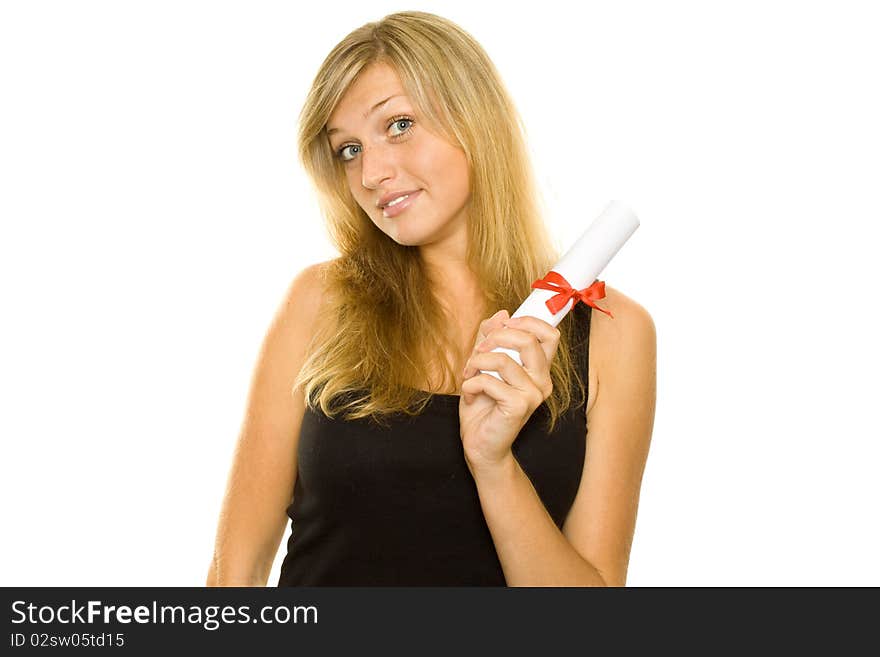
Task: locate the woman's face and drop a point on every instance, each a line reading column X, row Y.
column 386, row 150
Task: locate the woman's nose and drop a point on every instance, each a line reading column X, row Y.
column 376, row 166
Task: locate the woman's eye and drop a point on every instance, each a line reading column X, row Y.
column 342, row 155
column 406, row 122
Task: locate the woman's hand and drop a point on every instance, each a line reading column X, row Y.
column 492, row 412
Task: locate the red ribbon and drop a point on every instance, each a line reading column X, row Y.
column 557, row 283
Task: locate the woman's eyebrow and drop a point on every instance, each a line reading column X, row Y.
column 330, row 131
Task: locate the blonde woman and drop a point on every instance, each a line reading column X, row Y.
column 369, row 425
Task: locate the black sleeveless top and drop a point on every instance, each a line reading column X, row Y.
column 397, row 506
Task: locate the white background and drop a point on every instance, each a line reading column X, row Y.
column 153, row 213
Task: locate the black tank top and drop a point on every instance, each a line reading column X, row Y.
column 397, row 506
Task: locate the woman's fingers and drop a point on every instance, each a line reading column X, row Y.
column 511, row 372
column 548, row 336
column 488, row 325
column 535, row 340
column 536, row 383
column 497, row 390
column 536, row 345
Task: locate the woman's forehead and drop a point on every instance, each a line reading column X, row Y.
column 376, row 85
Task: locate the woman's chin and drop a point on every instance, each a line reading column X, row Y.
column 402, row 232
column 402, row 237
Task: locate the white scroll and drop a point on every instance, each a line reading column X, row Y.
column 580, row 266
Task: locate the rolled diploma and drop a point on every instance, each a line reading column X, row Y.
column 580, row 265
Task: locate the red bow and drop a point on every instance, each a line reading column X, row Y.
column 557, row 283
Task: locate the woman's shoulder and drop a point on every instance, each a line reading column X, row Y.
column 627, row 338
column 631, row 323
column 312, row 278
column 315, row 272
column 306, row 292
column 632, row 315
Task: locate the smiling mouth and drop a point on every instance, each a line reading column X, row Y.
column 396, row 201
column 400, row 204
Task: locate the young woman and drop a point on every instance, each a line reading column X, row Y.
column 369, row 423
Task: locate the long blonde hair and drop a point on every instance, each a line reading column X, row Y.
column 380, row 323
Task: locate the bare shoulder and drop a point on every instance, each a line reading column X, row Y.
column 630, row 336
column 305, row 292
column 602, row 519
column 263, row 474
column 284, row 346
column 296, row 316
column 631, row 320
column 292, row 327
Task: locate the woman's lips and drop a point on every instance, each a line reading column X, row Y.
column 390, row 211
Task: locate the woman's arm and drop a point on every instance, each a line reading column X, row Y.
column 260, row 485
column 602, row 520
column 593, row 547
